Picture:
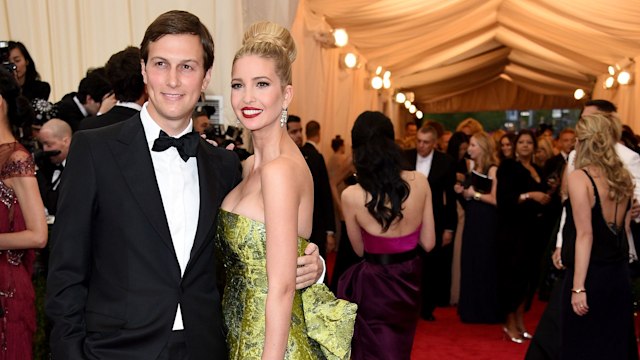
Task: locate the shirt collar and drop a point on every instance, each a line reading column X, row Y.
column 130, row 105
column 312, row 143
column 152, row 129
column 425, row 158
column 80, row 106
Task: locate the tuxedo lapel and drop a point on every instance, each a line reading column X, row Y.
column 132, row 155
column 433, row 172
column 207, row 181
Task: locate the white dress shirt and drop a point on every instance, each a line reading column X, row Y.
column 423, row 163
column 631, row 161
column 180, row 191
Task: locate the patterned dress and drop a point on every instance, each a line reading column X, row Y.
column 18, row 324
column 321, row 325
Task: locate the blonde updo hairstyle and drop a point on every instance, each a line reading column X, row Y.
column 597, row 136
column 271, row 41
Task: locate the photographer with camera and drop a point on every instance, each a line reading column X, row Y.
column 25, row 71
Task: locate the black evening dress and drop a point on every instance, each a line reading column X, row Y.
column 606, row 331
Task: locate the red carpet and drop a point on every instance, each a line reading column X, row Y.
column 448, row 338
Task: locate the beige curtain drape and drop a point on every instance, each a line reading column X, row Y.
column 476, row 55
column 67, row 37
column 455, row 55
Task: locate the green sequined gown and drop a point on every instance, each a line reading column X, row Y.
column 321, row 326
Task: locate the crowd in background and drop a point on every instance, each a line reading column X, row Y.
column 496, row 200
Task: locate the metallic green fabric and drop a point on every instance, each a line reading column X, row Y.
column 321, row 328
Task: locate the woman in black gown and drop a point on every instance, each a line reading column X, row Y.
column 478, row 282
column 596, row 310
column 521, row 240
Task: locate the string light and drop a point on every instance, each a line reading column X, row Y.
column 350, row 60
column 341, row 37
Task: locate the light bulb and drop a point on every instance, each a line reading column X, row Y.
column 419, row 114
column 350, row 60
column 624, row 78
column 378, row 70
column 341, row 37
column 407, row 104
column 412, row 109
column 386, row 82
column 376, row 82
column 400, row 97
column 387, row 74
column 608, row 84
column 612, row 70
column 579, row 94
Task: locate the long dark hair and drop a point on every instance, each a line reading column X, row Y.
column 31, row 73
column 455, row 142
column 19, row 110
column 379, row 162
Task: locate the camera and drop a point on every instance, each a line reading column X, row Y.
column 4, row 57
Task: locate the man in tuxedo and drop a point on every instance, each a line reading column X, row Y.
column 124, row 74
column 55, row 137
column 132, row 269
column 440, row 171
column 554, row 166
column 86, row 102
column 324, row 225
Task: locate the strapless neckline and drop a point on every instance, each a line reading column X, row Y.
column 246, row 218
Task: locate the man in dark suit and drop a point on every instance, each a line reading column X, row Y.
column 440, row 171
column 123, row 72
column 55, row 137
column 324, row 225
column 132, row 267
column 86, row 102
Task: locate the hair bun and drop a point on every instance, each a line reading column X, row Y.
column 271, row 33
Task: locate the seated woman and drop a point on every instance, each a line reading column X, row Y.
column 388, row 214
column 26, row 73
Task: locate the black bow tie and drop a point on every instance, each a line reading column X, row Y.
column 187, row 144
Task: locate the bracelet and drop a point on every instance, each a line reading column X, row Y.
column 578, row 291
column 524, row 196
column 477, row 196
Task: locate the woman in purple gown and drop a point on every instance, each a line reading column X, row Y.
column 388, row 214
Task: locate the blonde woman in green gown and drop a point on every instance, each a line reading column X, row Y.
column 265, row 220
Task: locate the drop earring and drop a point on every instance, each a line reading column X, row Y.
column 283, row 118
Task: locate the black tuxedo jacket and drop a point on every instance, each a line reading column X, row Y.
column 114, row 280
column 48, row 190
column 115, row 115
column 442, row 177
column 68, row 111
column 323, row 214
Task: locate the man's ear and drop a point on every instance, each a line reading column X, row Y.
column 143, row 70
column 207, row 79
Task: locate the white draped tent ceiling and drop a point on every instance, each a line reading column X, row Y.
column 476, row 55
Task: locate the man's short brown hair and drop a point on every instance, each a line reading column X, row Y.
column 176, row 22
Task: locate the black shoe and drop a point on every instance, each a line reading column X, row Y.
column 428, row 317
